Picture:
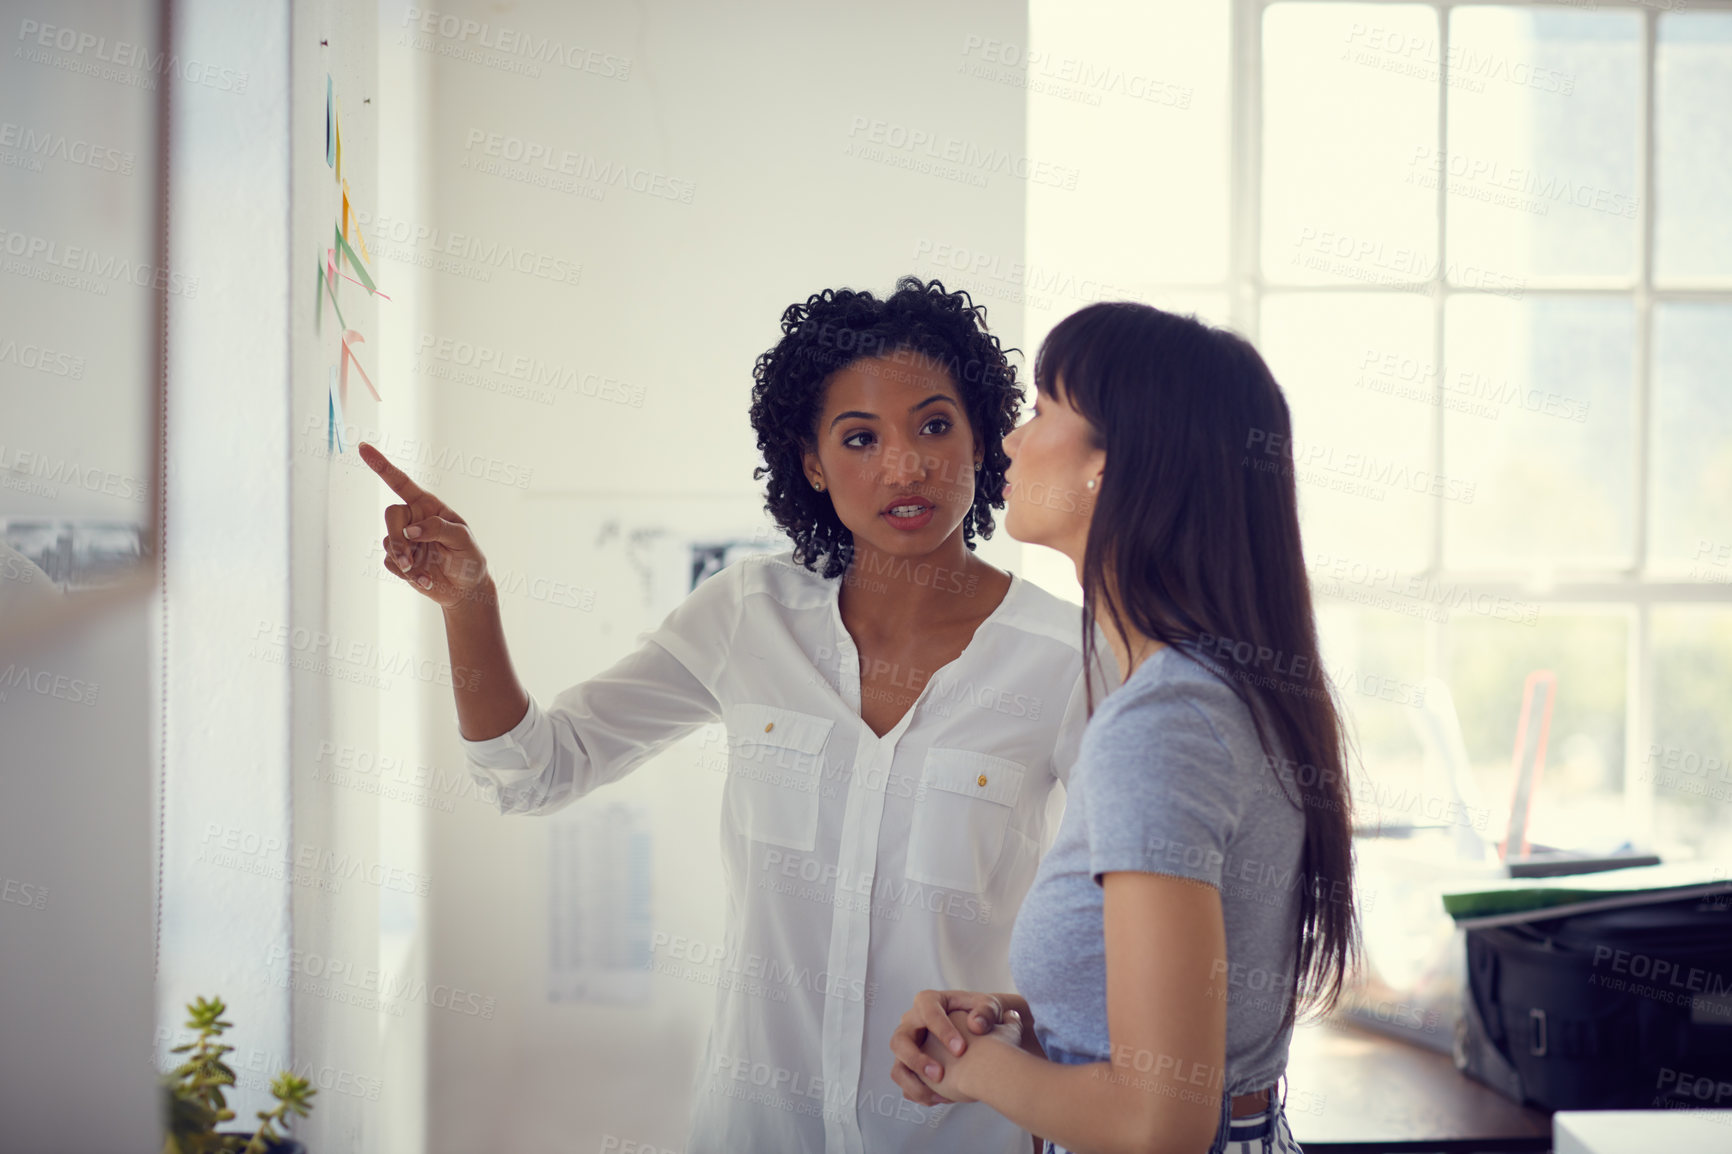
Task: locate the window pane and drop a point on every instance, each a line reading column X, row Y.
column 1543, row 132
column 1041, row 313
column 1134, row 96
column 1690, row 758
column 1693, row 146
column 1349, row 91
column 1551, row 473
column 1041, row 316
column 1356, row 370
column 1376, row 661
column 1209, row 307
column 1580, row 802
column 1691, row 518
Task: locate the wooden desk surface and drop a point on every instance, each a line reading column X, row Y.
column 1353, row 1091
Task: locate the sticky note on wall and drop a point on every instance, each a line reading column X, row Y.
column 351, row 338
column 334, row 416
column 341, row 246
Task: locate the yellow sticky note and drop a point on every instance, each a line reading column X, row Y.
column 360, row 240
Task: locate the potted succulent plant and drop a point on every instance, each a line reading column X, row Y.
column 193, row 1096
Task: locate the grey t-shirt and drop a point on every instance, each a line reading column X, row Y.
column 1170, row 779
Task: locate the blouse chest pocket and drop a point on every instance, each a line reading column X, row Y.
column 961, row 811
column 774, row 773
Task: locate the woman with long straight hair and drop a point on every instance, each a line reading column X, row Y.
column 897, row 710
column 1199, row 892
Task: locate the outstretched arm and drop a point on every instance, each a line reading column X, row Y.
column 428, row 546
column 539, row 759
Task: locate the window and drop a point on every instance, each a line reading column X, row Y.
column 1484, row 249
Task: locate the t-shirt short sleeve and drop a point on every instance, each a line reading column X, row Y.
column 1160, row 789
column 699, row 631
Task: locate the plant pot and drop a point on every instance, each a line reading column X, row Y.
column 282, row 1146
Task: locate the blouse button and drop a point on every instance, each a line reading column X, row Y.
column 981, row 780
column 769, row 725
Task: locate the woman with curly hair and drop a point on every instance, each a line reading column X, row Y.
column 897, row 714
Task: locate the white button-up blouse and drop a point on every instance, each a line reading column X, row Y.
column 859, row 869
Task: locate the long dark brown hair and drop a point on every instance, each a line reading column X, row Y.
column 1197, row 523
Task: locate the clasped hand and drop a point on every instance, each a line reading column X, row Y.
column 932, row 1042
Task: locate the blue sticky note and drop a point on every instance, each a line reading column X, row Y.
column 334, row 413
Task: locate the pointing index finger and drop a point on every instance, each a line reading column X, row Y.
column 390, row 474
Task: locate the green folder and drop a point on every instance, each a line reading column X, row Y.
column 1508, row 900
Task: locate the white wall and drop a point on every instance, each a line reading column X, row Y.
column 754, row 106
column 358, row 999
column 282, row 697
column 75, row 330
column 77, row 712
column 75, row 891
column 226, row 827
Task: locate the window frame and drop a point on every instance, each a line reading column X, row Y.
column 1631, row 588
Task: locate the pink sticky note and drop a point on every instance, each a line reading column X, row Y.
column 350, row 339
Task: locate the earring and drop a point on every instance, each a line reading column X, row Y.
column 1091, row 483
column 818, row 485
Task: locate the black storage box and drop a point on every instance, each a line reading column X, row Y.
column 1616, row 1009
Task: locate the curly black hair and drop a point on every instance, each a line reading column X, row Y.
column 832, row 330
